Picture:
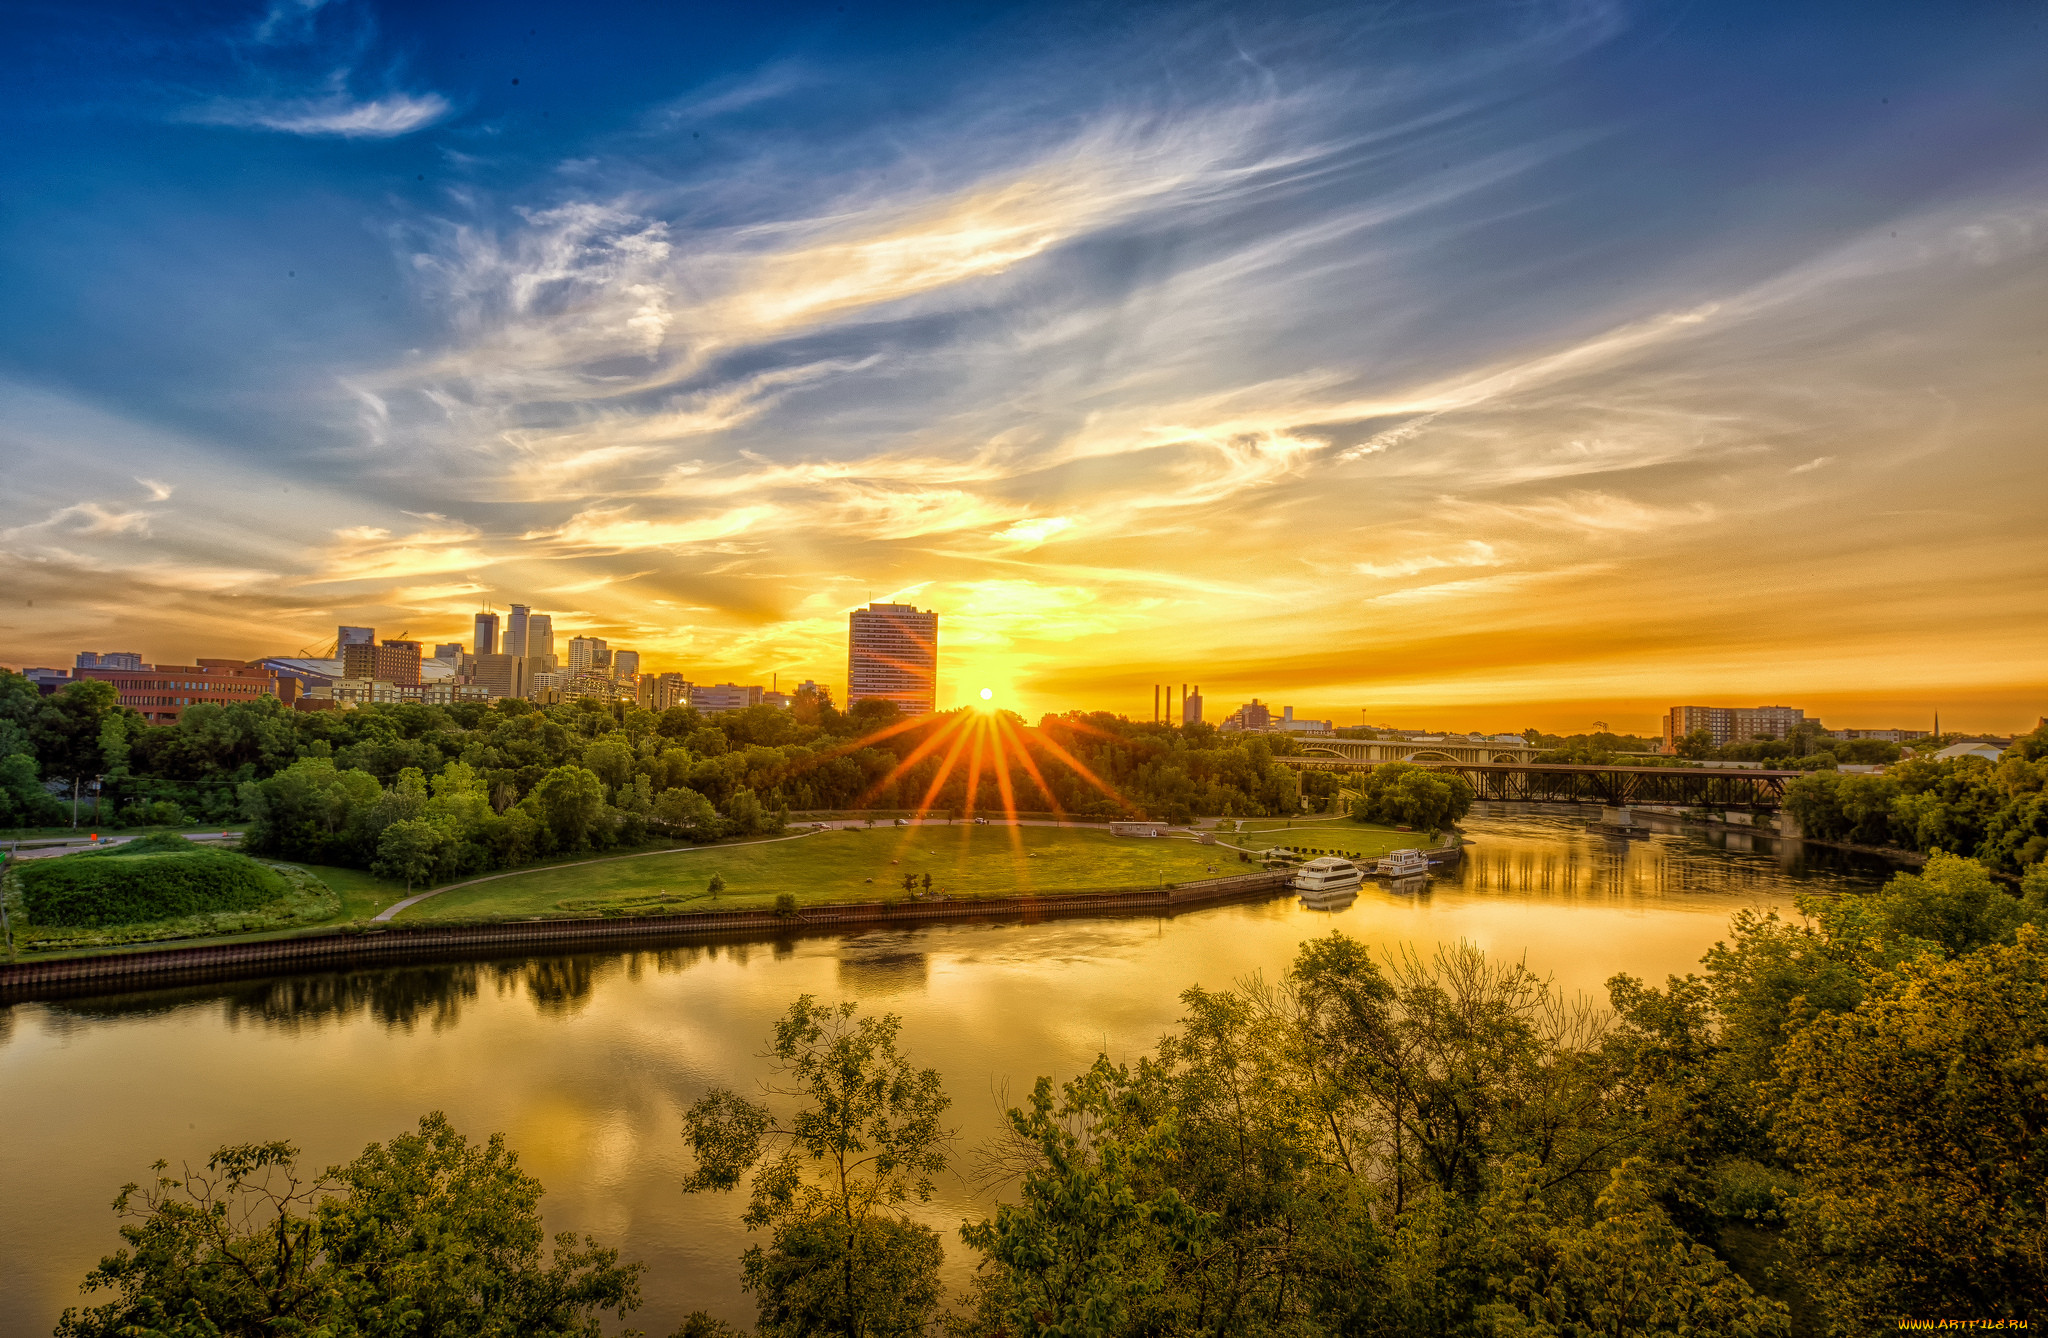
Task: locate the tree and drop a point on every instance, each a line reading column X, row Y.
column 863, row 1139
column 1401, row 792
column 610, row 759
column 1089, row 1237
column 424, row 1234
column 568, row 801
column 1918, row 1123
column 1625, row 1271
column 65, row 732
column 687, row 811
column 1694, row 746
column 407, row 850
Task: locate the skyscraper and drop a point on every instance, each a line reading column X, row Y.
column 892, row 654
column 515, row 631
column 589, row 655
column 486, row 642
column 625, row 664
column 540, row 636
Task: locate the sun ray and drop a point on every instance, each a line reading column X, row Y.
column 974, row 760
column 915, row 755
column 1002, row 764
column 1005, row 724
column 1080, row 768
column 945, row 769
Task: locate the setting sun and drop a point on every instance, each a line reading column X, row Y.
column 988, row 694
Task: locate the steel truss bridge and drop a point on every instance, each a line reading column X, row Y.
column 1615, row 787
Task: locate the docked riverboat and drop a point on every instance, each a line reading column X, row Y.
column 1402, row 864
column 1327, row 874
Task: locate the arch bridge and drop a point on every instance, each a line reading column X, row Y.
column 1452, row 749
column 1614, row 787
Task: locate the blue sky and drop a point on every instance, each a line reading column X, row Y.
column 1498, row 361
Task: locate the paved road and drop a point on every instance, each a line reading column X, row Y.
column 73, row 847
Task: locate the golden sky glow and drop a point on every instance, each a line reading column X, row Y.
column 1246, row 390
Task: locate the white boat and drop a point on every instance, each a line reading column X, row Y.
column 1327, row 873
column 1403, row 864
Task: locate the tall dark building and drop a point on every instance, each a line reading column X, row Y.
column 515, row 631
column 892, row 654
column 486, row 642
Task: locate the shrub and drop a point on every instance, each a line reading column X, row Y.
column 785, row 904
column 114, row 887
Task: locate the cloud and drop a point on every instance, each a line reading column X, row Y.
column 1475, row 553
column 1817, row 462
column 85, row 518
column 158, row 492
column 334, row 115
column 1036, row 530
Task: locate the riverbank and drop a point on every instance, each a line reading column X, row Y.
column 356, row 946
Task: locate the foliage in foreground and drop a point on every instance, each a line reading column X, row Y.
column 425, row 1234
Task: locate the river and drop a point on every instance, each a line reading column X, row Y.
column 587, row 1061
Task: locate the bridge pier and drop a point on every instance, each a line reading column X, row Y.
column 1789, row 826
column 1619, row 822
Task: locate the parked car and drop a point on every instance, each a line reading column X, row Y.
column 903, row 822
column 981, row 822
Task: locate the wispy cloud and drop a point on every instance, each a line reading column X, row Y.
column 334, row 115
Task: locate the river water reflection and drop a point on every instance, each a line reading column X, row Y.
column 587, row 1061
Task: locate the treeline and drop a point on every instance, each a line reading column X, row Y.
column 423, row 792
column 1994, row 811
column 1804, row 749
column 1849, row 1106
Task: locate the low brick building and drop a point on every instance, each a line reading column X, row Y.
column 161, row 692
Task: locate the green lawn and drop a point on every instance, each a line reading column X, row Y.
column 362, row 894
column 1324, row 832
column 843, row 865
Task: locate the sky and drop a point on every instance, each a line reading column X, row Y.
column 1482, row 365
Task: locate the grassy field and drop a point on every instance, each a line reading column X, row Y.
column 1337, row 834
column 843, row 865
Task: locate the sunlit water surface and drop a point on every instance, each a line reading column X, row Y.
column 587, row 1062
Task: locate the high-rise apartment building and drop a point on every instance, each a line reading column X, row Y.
column 668, row 690
column 515, row 630
column 588, row 654
column 113, row 659
column 892, row 654
column 358, row 659
column 626, row 665
column 398, row 662
column 1731, row 724
column 486, row 641
column 540, row 636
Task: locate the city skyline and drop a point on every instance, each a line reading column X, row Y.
column 1525, row 366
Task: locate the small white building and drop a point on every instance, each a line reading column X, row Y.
column 1990, row 752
